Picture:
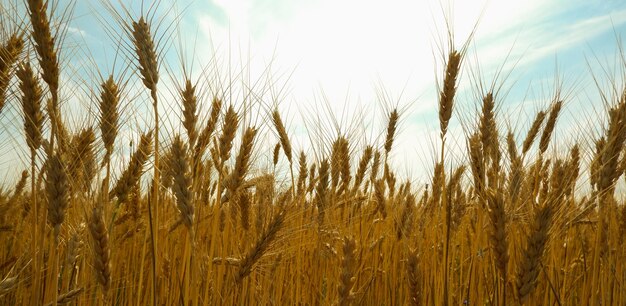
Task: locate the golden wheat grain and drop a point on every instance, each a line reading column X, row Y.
column 101, row 248
column 533, row 131
column 182, row 182
column 109, row 116
column 550, row 123
column 57, row 192
column 347, row 276
column 536, row 243
column 414, row 278
column 282, row 134
column 133, row 172
column 446, row 96
column 391, row 130
column 10, row 52
column 260, row 247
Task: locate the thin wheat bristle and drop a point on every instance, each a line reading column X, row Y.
column 282, row 134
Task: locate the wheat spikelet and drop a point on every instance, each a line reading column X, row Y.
column 19, row 188
column 302, row 173
column 182, row 182
column 262, row 244
column 498, row 236
column 167, row 175
column 438, row 184
column 244, row 207
column 81, row 160
column 375, row 166
column 517, row 171
column 312, row 179
column 379, row 194
column 102, row 252
column 9, row 54
column 57, row 192
column 550, row 123
column 622, row 225
column 282, row 134
column 242, row 162
column 446, row 96
column 109, row 116
column 615, row 137
column 344, row 165
column 572, row 171
column 31, row 106
column 321, row 191
column 146, row 54
column 133, row 172
column 347, row 276
column 476, row 157
column 205, row 136
column 488, row 130
column 68, row 297
column 340, row 163
column 529, row 267
column 44, row 45
column 229, row 128
column 406, row 216
column 363, row 162
column 533, row 131
column 391, row 130
column 414, row 278
column 234, row 182
column 190, row 104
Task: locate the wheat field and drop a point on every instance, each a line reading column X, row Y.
column 196, row 217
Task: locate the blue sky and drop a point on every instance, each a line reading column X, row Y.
column 349, row 54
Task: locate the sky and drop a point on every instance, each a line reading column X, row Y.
column 329, row 63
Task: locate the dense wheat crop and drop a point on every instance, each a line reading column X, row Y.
column 196, row 217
